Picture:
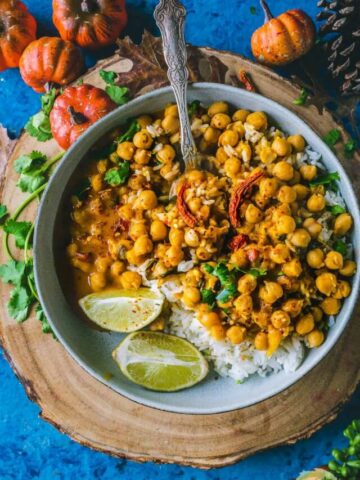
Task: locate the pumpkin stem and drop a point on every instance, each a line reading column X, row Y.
column 89, row 6
column 267, row 11
column 77, row 118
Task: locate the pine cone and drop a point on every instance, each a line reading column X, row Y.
column 342, row 18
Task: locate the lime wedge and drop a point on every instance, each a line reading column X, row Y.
column 160, row 362
column 123, row 310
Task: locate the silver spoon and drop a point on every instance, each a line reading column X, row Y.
column 169, row 16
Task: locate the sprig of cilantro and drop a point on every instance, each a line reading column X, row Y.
column 336, row 209
column 128, row 135
column 340, row 246
column 118, row 175
column 349, row 148
column 38, row 125
column 302, row 98
column 332, row 137
column 208, row 296
column 19, row 230
column 193, row 107
column 328, row 179
column 3, row 212
column 118, row 94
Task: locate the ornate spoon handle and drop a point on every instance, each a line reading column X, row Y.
column 169, row 16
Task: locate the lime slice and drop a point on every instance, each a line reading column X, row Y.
column 123, row 310
column 160, row 362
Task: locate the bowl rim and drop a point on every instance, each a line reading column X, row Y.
column 40, row 224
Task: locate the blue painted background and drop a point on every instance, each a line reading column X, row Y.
column 32, row 449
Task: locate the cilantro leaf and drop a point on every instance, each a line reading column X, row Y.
column 227, row 293
column 82, row 189
column 336, row 209
column 301, row 100
column 19, row 303
column 39, row 127
column 327, row 179
column 118, row 175
column 40, row 315
column 108, row 76
column 349, row 148
column 20, row 231
column 134, row 127
column 340, row 246
column 332, row 137
column 193, row 107
column 48, row 100
column 13, row 272
column 31, row 161
column 257, row 272
column 119, row 95
column 208, row 296
column 3, row 211
column 30, row 182
column 208, row 268
column 228, row 282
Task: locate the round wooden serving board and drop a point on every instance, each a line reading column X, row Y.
column 97, row 417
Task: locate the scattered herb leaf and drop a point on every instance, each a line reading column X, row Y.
column 29, row 162
column 40, row 315
column 208, row 296
column 119, row 95
column 257, row 272
column 118, row 175
column 328, row 179
column 301, row 100
column 332, row 137
column 19, row 303
column 340, row 246
column 3, row 211
column 19, row 230
column 108, row 76
column 193, row 107
column 208, row 268
column 39, row 127
column 349, row 148
column 13, row 272
column 134, row 127
column 336, row 209
column 30, row 182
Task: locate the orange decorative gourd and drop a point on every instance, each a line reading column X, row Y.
column 283, row 39
column 75, row 110
column 90, row 23
column 17, row 30
column 50, row 60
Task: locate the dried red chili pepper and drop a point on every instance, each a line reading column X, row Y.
column 239, row 195
column 238, row 242
column 246, row 81
column 184, row 211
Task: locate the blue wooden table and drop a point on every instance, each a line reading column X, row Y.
column 32, row 449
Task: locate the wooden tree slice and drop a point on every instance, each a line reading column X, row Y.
column 97, row 417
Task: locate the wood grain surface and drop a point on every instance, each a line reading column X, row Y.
column 94, row 415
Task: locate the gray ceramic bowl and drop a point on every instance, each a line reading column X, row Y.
column 91, row 348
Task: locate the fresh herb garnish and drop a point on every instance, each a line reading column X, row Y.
column 301, row 100
column 349, row 148
column 19, row 230
column 340, row 246
column 208, row 296
column 336, row 209
column 3, row 211
column 193, row 107
column 13, row 272
column 256, row 272
column 134, row 127
column 19, row 303
column 118, row 175
column 119, row 95
column 227, row 281
column 346, row 463
column 38, row 125
column 40, row 315
column 33, row 169
column 328, row 179
column 208, row 268
column 48, row 100
column 332, row 137
column 227, row 293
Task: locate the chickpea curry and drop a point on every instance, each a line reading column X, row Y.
column 256, row 242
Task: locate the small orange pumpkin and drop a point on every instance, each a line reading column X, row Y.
column 75, row 110
column 90, row 23
column 283, row 39
column 50, row 60
column 17, row 30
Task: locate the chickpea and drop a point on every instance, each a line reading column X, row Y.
column 305, row 324
column 193, row 277
column 270, row 292
column 132, row 258
column 137, row 229
column 85, row 267
column 71, row 249
column 326, row 283
column 280, row 319
column 147, row 200
column 170, row 124
column 116, row 269
column 126, row 150
column 174, row 256
column 232, row 166
column 203, row 254
column 240, row 115
column 312, row 226
column 221, row 155
column 247, row 283
column 191, row 296
column 144, row 121
column 236, row 334
column 253, row 214
column 285, row 224
column 97, row 182
column 286, row 194
column 308, row 172
column 211, row 135
column 293, row 306
column 171, row 110
column 245, row 152
column 239, row 128
column 281, row 147
column 300, row 238
column 297, row 141
column 343, row 290
column 166, row 155
column 102, row 165
column 261, row 341
column 196, row 177
column 268, row 187
column 158, row 231
column 292, row 268
column 316, row 202
column 301, row 191
column 244, row 304
column 217, row 107
column 258, row 120
column 331, row 306
column 191, row 238
column 274, row 340
column 143, row 139
column 143, row 245
column 218, row 332
column 131, row 280
column 97, row 281
column 334, row 260
column 176, row 237
column 283, row 171
column 280, row 253
column 317, row 313
column 142, row 157
column 126, row 212
column 204, row 212
column 343, row 224
column 267, row 155
column 136, row 182
column 209, row 319
column 220, row 121
column 315, row 258
column 239, row 258
column 348, row 269
column 229, row 137
column 315, row 338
